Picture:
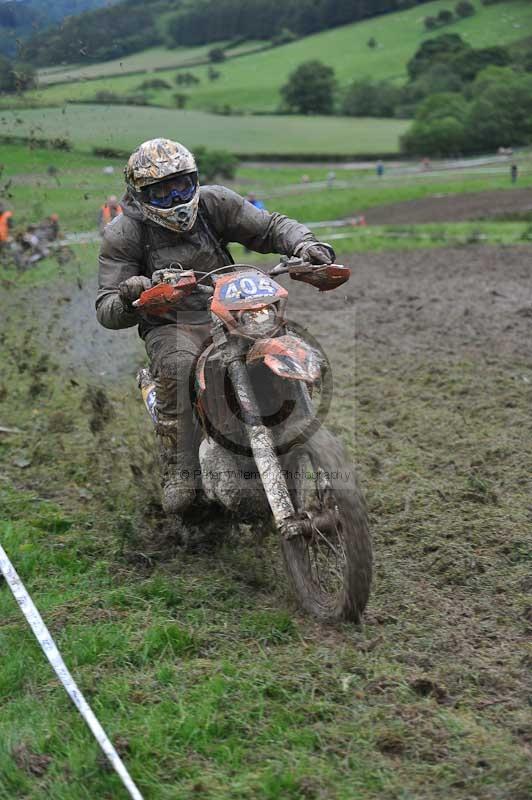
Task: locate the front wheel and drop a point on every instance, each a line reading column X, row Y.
column 330, row 566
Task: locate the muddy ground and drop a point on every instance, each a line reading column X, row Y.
column 465, row 302
column 453, row 208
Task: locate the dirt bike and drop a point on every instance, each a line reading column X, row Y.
column 254, row 390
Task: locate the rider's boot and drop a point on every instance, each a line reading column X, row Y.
column 179, row 462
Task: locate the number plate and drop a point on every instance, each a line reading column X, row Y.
column 246, row 287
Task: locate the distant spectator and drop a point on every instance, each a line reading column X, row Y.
column 514, row 172
column 379, row 168
column 109, row 211
column 305, row 179
column 425, row 164
column 6, row 224
column 331, row 177
column 252, row 198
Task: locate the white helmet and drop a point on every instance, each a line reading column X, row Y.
column 162, row 176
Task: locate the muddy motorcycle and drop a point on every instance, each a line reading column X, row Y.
column 255, row 390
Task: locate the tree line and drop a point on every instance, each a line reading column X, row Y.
column 203, row 21
column 463, row 99
column 99, row 35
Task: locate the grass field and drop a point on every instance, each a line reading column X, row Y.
column 253, row 82
column 340, row 203
column 78, row 186
column 147, row 60
column 124, row 127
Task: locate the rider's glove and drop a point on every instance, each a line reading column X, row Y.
column 132, row 289
column 315, row 252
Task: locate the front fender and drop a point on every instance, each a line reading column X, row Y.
column 287, row 356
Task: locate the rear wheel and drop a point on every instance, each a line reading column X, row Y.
column 330, row 564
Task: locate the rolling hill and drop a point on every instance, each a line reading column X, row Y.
column 252, row 82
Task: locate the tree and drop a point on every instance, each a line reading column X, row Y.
column 468, row 64
column 154, row 83
column 442, row 106
column 216, row 55
column 439, row 78
column 430, row 23
column 180, row 99
column 526, row 61
column 366, row 98
column 491, row 76
column 442, row 137
column 445, row 16
column 285, row 36
column 16, row 77
column 214, row 164
column 372, row 42
column 464, row 9
column 186, row 79
column 7, row 81
column 441, row 49
column 310, row 89
column 440, row 127
column 502, row 114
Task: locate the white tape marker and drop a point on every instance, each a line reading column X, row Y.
column 49, row 647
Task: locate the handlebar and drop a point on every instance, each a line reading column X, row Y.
column 172, row 284
column 284, row 266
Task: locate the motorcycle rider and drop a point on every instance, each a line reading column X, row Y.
column 169, row 220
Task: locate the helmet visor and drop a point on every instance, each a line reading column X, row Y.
column 173, row 191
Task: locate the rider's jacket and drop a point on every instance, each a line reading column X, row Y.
column 5, row 216
column 132, row 246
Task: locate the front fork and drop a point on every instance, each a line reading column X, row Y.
column 261, row 442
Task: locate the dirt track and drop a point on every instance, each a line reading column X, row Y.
column 453, row 207
column 468, row 301
column 454, row 302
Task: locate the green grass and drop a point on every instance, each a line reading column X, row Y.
column 75, row 191
column 411, row 237
column 253, row 82
column 124, row 127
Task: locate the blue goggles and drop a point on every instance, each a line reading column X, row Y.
column 171, row 192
